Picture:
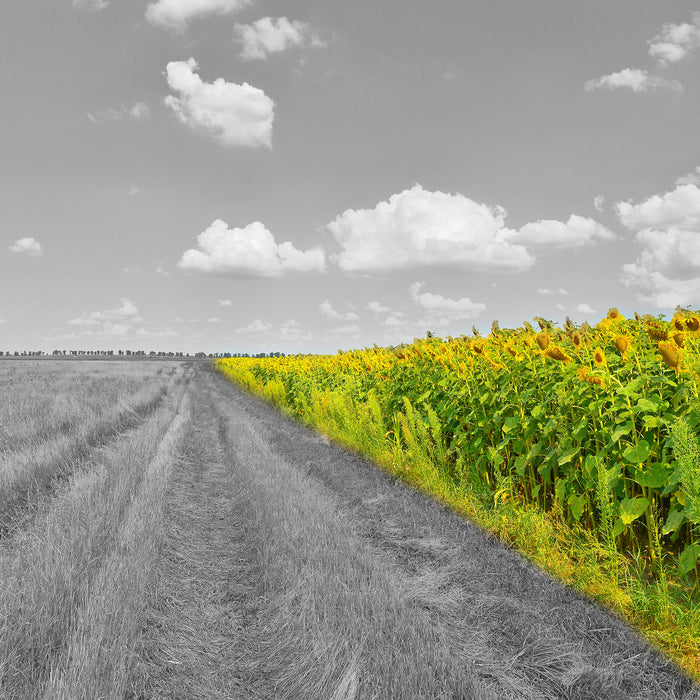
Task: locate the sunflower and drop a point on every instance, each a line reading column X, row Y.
column 622, row 344
column 615, row 315
column 599, row 358
column 657, row 334
column 542, row 340
column 678, row 323
column 679, row 339
column 670, row 355
column 557, row 354
column 576, row 339
column 692, row 324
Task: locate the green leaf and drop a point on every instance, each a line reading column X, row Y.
column 655, row 477
column 688, row 557
column 580, row 431
column 568, row 455
column 620, row 431
column 632, row 508
column 577, row 504
column 618, row 528
column 675, row 519
column 637, row 453
column 510, row 423
column 537, row 412
column 648, row 405
column 520, row 464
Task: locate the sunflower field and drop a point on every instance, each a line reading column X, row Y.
column 595, row 426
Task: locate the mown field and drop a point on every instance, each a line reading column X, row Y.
column 577, row 445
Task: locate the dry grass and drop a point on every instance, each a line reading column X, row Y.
column 73, row 580
column 47, row 435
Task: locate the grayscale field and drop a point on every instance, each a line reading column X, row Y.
column 165, row 535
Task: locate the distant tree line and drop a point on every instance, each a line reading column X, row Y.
column 131, row 353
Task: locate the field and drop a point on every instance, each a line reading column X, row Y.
column 547, row 437
column 164, row 534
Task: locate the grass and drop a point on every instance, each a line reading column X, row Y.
column 73, row 579
column 667, row 614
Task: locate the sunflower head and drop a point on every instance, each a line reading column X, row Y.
column 615, row 315
column 599, row 357
column 692, row 324
column 678, row 324
column 542, row 340
column 679, row 339
column 557, row 354
column 576, row 339
column 622, row 344
column 670, row 355
column 657, row 334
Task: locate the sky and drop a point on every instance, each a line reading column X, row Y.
column 267, row 176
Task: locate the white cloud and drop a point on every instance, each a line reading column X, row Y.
column 690, row 178
column 256, row 326
column 237, row 115
column 133, row 191
column 91, row 5
column 126, row 311
column 248, row 251
column 676, row 41
column 349, row 330
column 214, row 319
column 329, row 312
column 2, row 320
column 28, row 246
column 442, row 310
column 562, row 291
column 598, row 202
column 667, row 270
column 576, row 232
column 679, row 208
column 139, row 111
column 268, row 35
column 110, row 322
column 225, row 302
column 633, row 79
column 176, row 14
column 584, row 309
column 418, row 228
column 377, row 308
column 545, row 292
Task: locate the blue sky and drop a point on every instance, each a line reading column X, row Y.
column 244, row 175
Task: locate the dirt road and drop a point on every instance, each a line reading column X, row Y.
column 291, row 568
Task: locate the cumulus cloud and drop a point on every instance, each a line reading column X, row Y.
column 690, row 179
column 27, row 246
column 442, row 310
column 676, row 42
column 417, row 228
column 377, row 308
column 225, row 302
column 667, row 271
column 584, row 309
column 633, row 79
column 91, row 5
column 176, row 14
column 237, row 115
column 248, row 251
column 112, row 322
column 256, row 326
column 599, row 202
column 139, row 111
column 269, row 35
column 679, row 208
column 576, row 232
column 329, row 312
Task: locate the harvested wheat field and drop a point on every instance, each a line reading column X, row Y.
column 166, row 535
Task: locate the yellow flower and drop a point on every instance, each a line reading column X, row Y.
column 577, row 340
column 678, row 323
column 614, row 314
column 670, row 355
column 692, row 324
column 542, row 340
column 557, row 354
column 599, row 357
column 679, row 339
column 622, row 344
